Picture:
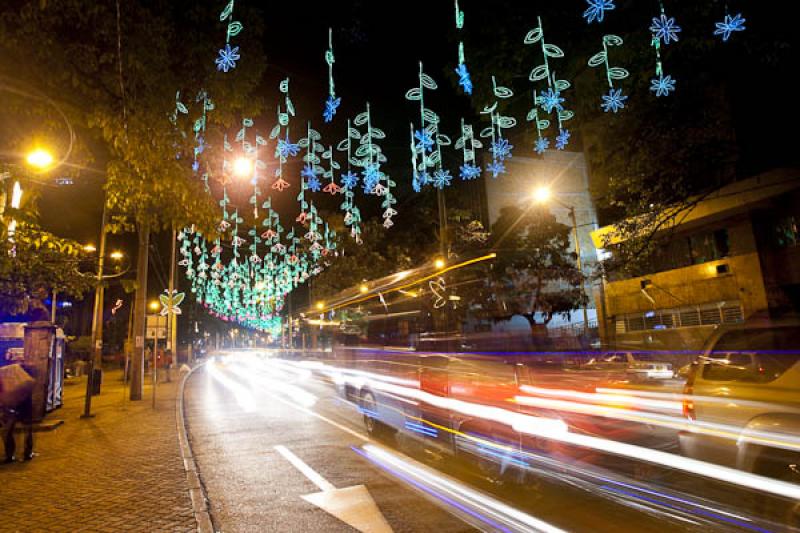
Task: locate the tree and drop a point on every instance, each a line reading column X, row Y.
column 534, row 275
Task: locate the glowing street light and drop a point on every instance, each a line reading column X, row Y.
column 243, row 167
column 153, row 305
column 320, row 306
column 542, row 194
column 439, row 264
column 40, row 159
column 117, row 255
column 363, row 289
column 89, row 248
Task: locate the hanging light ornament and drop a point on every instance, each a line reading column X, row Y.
column 228, row 56
column 468, row 145
column 429, row 141
column 664, row 31
column 551, row 100
column 352, row 215
column 614, row 100
column 332, row 103
column 464, row 79
column 284, row 148
column 500, row 147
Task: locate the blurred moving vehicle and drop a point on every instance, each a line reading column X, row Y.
column 748, row 379
column 639, row 367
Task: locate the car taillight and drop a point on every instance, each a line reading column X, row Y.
column 688, row 390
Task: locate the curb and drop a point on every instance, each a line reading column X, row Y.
column 197, row 491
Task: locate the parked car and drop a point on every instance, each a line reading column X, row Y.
column 638, row 367
column 755, row 367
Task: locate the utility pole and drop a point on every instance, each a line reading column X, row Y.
column 442, row 207
column 172, row 318
column 97, row 320
column 139, row 319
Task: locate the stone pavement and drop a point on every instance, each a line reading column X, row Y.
column 120, row 471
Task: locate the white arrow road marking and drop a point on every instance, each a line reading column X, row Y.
column 352, row 505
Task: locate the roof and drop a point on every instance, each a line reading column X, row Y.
column 734, row 198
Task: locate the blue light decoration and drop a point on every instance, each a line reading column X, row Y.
column 284, row 148
column 551, row 100
column 311, row 169
column 426, row 142
column 499, row 146
column 464, row 79
column 370, row 157
column 332, row 187
column 200, row 126
column 664, row 30
column 333, row 102
column 614, row 100
column 597, row 10
column 352, row 214
column 730, row 25
column 228, row 56
column 468, row 146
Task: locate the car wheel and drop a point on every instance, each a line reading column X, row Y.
column 786, row 512
column 374, row 427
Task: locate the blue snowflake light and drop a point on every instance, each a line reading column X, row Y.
column 424, row 178
column 597, row 10
column 730, row 25
column 331, row 105
column 663, row 85
column 227, row 58
column 308, row 172
column 613, row 101
column 664, row 28
column 425, row 142
column 502, row 149
column 562, row 139
column 349, row 179
column 441, row 178
column 287, row 148
column 542, row 144
column 551, row 99
column 496, row 168
column 464, row 79
column 314, row 184
column 469, row 172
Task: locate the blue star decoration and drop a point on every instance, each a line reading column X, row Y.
column 425, row 143
column 372, row 176
column 730, row 25
column 562, row 139
column 542, row 144
column 464, row 78
column 496, row 168
column 613, row 101
column 227, row 58
column 468, row 171
column 597, row 10
column 665, row 29
column 441, row 178
column 424, row 178
column 502, row 149
column 349, row 179
column 287, row 148
column 308, row 172
column 551, row 99
column 331, row 105
column 663, row 85
column 313, row 184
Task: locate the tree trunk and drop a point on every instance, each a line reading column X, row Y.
column 140, row 311
column 538, row 330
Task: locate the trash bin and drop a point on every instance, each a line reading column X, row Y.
column 97, row 379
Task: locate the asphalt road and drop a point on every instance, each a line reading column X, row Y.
column 262, row 445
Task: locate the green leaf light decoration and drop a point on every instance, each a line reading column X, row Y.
column 614, row 100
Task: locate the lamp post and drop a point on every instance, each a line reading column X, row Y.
column 542, row 195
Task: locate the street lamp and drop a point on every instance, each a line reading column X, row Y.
column 243, row 167
column 439, row 264
column 320, row 306
column 153, row 305
column 116, row 255
column 39, row 159
column 89, row 248
column 542, row 195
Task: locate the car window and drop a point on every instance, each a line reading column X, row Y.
column 756, row 355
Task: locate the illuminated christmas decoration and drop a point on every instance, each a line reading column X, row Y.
column 500, row 147
column 464, row 79
column 426, row 152
column 664, row 28
column 170, row 302
column 614, row 100
column 333, row 102
column 284, row 148
column 468, row 146
column 729, row 25
column 597, row 10
column 228, row 56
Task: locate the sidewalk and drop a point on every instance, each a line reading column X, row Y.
column 120, row 471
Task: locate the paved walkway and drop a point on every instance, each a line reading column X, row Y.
column 120, row 471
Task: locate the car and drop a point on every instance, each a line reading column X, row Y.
column 747, row 382
column 638, row 367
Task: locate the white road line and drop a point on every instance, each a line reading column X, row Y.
column 310, row 473
column 321, row 417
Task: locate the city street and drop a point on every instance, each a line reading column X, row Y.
column 262, row 447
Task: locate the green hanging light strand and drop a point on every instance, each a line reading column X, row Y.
column 228, row 56
column 332, row 103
